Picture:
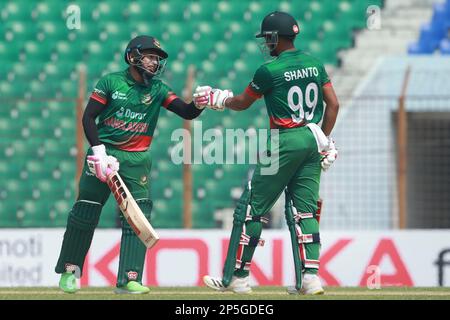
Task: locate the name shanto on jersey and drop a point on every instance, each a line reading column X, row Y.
column 292, row 86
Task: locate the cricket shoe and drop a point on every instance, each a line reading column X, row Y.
column 237, row 285
column 68, row 282
column 310, row 286
column 132, row 287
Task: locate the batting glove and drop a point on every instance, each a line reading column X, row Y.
column 212, row 98
column 218, row 97
column 329, row 155
column 99, row 163
column 201, row 96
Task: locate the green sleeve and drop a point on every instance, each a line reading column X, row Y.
column 167, row 95
column 262, row 81
column 102, row 90
column 165, row 89
column 324, row 78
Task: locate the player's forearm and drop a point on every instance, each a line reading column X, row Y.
column 185, row 110
column 238, row 103
column 329, row 119
column 90, row 127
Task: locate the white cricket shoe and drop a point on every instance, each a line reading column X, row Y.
column 237, row 285
column 311, row 285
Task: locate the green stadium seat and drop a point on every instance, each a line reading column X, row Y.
column 239, row 33
column 90, row 31
column 21, row 150
column 51, row 31
column 194, row 52
column 110, row 11
column 59, row 213
column 227, row 11
column 52, row 148
column 257, row 10
column 48, row 189
column 51, row 10
column 112, row 30
column 40, row 60
column 203, row 214
column 11, row 170
column 67, row 168
column 33, row 213
column 339, row 34
column 201, row 10
column 36, row 169
column 17, row 11
column 4, row 169
column 179, row 31
column 168, row 170
column 19, row 31
column 309, row 31
column 288, row 6
column 202, row 172
column 222, row 196
column 5, row 69
column 35, row 51
column 354, row 13
column 208, row 33
column 69, row 52
column 6, row 128
column 11, row 52
column 17, row 190
column 171, row 10
column 142, row 10
column 167, row 214
column 24, row 72
column 144, row 28
column 8, row 217
column 323, row 10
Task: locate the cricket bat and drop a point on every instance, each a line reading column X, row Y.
column 131, row 210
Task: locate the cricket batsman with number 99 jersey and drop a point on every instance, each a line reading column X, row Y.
column 127, row 106
column 294, row 85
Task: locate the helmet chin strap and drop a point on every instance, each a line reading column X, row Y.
column 146, row 76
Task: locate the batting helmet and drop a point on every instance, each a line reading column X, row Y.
column 137, row 56
column 144, row 43
column 280, row 23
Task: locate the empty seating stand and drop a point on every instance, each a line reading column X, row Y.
column 434, row 35
column 38, row 86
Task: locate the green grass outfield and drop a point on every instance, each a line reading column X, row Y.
column 202, row 293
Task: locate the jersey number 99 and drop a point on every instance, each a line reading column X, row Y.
column 310, row 100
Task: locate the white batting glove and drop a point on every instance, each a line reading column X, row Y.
column 329, row 155
column 100, row 162
column 214, row 99
column 218, row 98
column 201, row 96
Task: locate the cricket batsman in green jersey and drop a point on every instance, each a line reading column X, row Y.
column 127, row 105
column 295, row 86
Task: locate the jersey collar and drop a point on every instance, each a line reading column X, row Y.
column 130, row 80
column 286, row 52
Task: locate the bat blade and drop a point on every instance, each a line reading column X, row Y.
column 131, row 211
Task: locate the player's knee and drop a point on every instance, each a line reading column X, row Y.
column 146, row 205
column 85, row 214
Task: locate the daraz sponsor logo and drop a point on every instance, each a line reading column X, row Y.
column 130, row 114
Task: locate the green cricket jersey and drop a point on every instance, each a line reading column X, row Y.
column 131, row 110
column 292, row 88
